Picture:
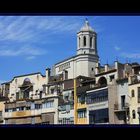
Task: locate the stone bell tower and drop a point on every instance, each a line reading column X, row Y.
column 86, row 40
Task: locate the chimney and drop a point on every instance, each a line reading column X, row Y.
column 116, row 64
column 106, row 67
column 48, row 72
column 97, row 68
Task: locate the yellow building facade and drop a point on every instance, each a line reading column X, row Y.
column 1, row 111
column 80, row 108
column 134, row 94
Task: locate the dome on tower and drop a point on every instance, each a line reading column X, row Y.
column 87, row 27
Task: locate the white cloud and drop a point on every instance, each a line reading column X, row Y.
column 117, row 48
column 26, row 28
column 19, row 33
column 30, row 57
column 131, row 55
column 24, row 50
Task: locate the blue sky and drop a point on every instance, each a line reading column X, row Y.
column 30, row 44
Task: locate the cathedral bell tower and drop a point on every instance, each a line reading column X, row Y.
column 86, row 40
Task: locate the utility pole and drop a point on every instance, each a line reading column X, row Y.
column 75, row 101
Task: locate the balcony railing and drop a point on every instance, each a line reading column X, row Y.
column 119, row 107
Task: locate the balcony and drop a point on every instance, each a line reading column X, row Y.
column 1, row 119
column 82, row 121
column 135, row 79
column 119, row 107
column 83, row 89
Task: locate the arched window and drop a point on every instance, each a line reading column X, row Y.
column 90, row 41
column 79, row 42
column 102, row 82
column 84, row 41
column 133, row 93
column 26, row 81
column 134, row 114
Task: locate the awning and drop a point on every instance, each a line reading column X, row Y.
column 9, row 106
column 38, row 102
column 28, row 104
column 21, row 104
column 48, row 117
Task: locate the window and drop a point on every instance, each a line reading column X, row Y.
column 17, row 109
column 26, row 95
column 90, row 41
column 49, row 104
column 79, row 42
column 111, row 78
column 20, row 108
column 17, row 96
column 92, row 69
column 26, row 81
column 0, row 113
column 123, row 101
column 60, row 122
column 138, row 94
column 98, row 116
column 81, row 99
column 66, row 121
column 38, row 106
column 32, row 106
column 72, row 95
column 97, row 96
column 133, row 93
column 52, row 91
column 47, row 122
column 66, row 98
column 14, row 109
column 134, row 114
column 84, row 41
column 40, row 95
column 82, row 114
column 28, row 108
column 78, row 99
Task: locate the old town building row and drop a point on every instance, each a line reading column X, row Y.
column 78, row 90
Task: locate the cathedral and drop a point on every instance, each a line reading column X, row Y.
column 84, row 62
